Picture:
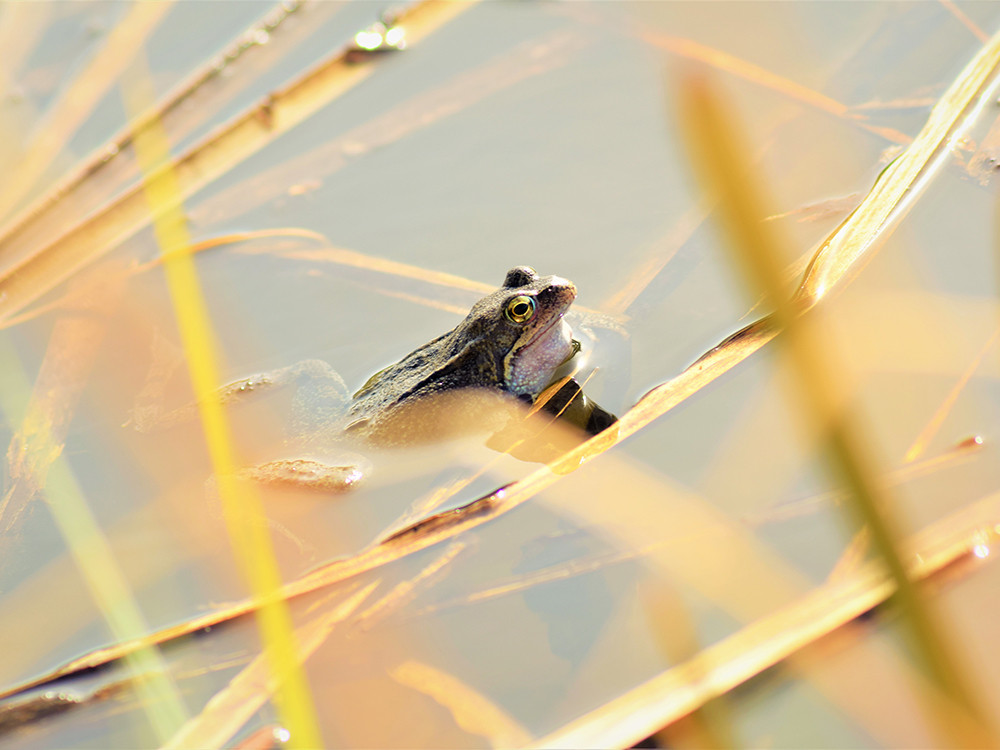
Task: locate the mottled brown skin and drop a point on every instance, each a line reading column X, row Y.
column 470, row 370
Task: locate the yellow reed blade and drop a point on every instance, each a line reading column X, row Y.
column 244, row 513
column 902, row 182
column 80, row 96
column 719, row 159
column 39, row 269
column 234, row 705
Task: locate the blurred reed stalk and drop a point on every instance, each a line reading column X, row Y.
column 719, row 160
column 242, row 506
column 710, row 725
column 107, row 584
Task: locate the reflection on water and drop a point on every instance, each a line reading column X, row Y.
column 381, row 35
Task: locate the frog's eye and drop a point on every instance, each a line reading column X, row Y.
column 520, row 309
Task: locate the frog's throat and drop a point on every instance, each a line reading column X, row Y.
column 535, row 384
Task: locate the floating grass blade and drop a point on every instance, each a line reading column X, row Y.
column 920, row 442
column 234, row 705
column 326, row 253
column 903, row 181
column 718, row 158
column 70, row 355
column 90, row 85
column 762, row 644
column 723, row 61
column 406, row 591
column 965, row 21
column 242, row 507
column 111, row 168
column 959, row 454
column 471, row 710
column 227, row 147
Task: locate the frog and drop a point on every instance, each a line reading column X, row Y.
column 478, row 377
column 510, row 344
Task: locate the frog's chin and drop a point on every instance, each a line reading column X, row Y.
column 529, row 369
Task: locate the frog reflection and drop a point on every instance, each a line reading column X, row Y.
column 475, row 378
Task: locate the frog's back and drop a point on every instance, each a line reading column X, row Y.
column 433, row 392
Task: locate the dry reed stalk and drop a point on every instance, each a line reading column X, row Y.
column 229, row 145
column 924, row 437
column 472, row 711
column 229, row 709
column 89, row 85
column 718, row 156
column 406, row 591
column 718, row 669
column 366, row 262
column 901, row 183
column 112, row 167
column 967, row 22
column 66, row 365
column 958, row 455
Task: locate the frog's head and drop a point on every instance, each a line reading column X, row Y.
column 522, row 324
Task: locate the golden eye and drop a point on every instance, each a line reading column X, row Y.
column 520, row 309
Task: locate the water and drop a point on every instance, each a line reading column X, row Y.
column 538, row 134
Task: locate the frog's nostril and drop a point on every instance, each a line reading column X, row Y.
column 564, row 287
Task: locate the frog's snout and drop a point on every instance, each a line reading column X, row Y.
column 562, row 288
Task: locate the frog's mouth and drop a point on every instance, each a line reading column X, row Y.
column 542, row 331
column 549, row 341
